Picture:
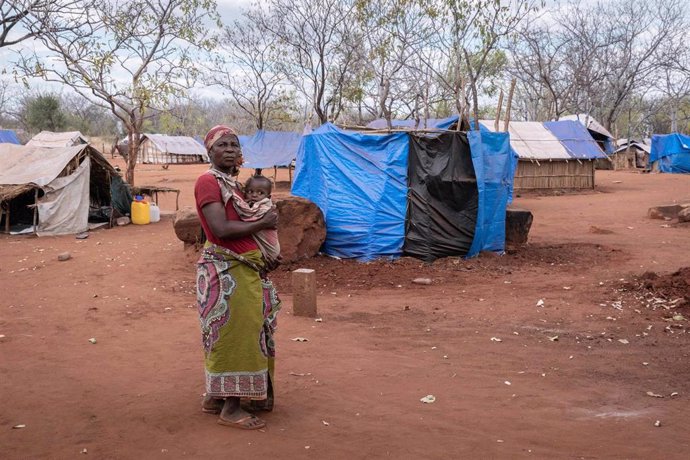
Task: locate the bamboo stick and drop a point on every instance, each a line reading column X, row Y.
column 509, row 104
column 498, row 110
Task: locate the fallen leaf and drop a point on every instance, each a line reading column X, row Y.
column 428, row 399
column 657, row 423
column 654, row 395
column 18, row 427
column 507, row 383
column 318, row 320
column 540, row 303
column 623, row 341
column 496, row 339
column 675, row 393
column 92, row 340
column 554, row 338
column 300, row 339
column 325, row 422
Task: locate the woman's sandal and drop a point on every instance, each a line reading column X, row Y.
column 249, row 422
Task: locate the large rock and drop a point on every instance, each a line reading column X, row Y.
column 664, row 212
column 301, row 228
column 518, row 223
column 187, row 226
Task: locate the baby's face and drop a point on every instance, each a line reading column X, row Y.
column 257, row 192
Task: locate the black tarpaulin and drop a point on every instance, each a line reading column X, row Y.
column 442, row 196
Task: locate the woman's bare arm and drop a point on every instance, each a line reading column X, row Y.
column 221, row 227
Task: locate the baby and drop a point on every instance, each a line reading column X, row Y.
column 257, row 203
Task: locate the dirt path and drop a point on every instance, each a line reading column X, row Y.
column 560, row 383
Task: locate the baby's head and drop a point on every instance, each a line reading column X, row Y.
column 257, row 188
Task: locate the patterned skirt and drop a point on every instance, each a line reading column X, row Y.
column 237, row 313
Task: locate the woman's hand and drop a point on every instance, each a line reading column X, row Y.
column 270, row 219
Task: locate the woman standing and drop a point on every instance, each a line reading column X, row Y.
column 237, row 308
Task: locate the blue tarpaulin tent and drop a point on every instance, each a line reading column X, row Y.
column 576, row 139
column 671, row 152
column 360, row 183
column 7, row 136
column 266, row 149
column 431, row 123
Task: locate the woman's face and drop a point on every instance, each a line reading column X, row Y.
column 226, row 154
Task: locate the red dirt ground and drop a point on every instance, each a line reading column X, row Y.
column 568, row 379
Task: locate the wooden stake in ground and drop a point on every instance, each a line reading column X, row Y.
column 498, row 110
column 509, row 104
column 304, row 292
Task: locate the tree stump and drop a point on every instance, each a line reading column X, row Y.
column 518, row 223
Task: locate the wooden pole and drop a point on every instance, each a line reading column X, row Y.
column 509, row 104
column 498, row 110
column 7, row 218
column 35, row 209
column 304, row 292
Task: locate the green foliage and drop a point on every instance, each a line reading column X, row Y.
column 45, row 113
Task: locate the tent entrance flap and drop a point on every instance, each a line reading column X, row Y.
column 442, row 197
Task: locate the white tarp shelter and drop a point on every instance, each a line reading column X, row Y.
column 162, row 149
column 532, row 141
column 51, row 139
column 61, row 178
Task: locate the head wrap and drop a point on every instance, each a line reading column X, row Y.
column 216, row 133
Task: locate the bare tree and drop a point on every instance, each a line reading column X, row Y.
column 132, row 59
column 538, row 57
column 250, row 68
column 394, row 32
column 610, row 64
column 24, row 19
column 469, row 38
column 321, row 46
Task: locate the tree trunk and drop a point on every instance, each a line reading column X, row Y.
column 132, row 153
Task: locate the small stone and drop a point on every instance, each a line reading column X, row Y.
column 122, row 221
column 657, row 423
column 64, row 256
column 426, row 281
column 92, row 340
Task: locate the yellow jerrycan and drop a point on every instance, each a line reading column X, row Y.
column 140, row 212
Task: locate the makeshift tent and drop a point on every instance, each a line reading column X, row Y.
column 162, row 149
column 628, row 155
column 670, row 153
column 51, row 139
column 58, row 188
column 425, row 195
column 551, row 155
column 7, row 136
column 267, row 149
column 429, row 123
